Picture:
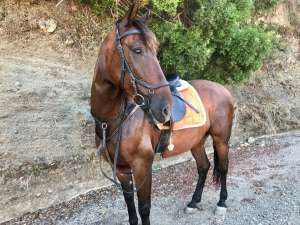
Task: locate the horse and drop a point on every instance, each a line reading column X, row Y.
column 129, row 95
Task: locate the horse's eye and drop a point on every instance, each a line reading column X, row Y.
column 138, row 51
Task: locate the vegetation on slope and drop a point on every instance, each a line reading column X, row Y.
column 206, row 39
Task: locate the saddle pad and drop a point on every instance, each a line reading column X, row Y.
column 191, row 118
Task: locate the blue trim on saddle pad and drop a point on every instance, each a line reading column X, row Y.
column 179, row 106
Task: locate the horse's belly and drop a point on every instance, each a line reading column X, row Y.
column 184, row 140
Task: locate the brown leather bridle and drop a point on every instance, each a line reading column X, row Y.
column 126, row 110
column 141, row 99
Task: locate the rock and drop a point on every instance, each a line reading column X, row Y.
column 18, row 85
column 244, row 145
column 251, row 140
column 69, row 41
column 48, row 25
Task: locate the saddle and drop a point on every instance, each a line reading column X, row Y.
column 187, row 111
column 179, row 106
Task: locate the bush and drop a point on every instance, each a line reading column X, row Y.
column 220, row 45
column 169, row 7
column 218, row 42
column 185, row 48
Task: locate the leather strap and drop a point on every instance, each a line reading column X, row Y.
column 128, row 33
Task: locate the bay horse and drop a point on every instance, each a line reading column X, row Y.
column 129, row 95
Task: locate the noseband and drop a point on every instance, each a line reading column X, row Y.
column 140, row 99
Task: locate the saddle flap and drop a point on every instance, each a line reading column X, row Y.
column 179, row 107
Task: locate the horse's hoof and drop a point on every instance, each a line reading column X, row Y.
column 190, row 210
column 220, row 211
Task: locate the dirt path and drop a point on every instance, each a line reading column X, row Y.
column 47, row 153
column 46, row 133
column 264, row 188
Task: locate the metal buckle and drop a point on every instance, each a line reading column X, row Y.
column 151, row 91
column 104, row 126
column 139, row 100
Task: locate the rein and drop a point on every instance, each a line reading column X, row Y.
column 140, row 100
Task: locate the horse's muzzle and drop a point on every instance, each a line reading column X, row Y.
column 162, row 113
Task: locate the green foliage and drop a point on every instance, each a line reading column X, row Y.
column 245, row 51
column 169, row 7
column 265, row 4
column 220, row 45
column 186, row 48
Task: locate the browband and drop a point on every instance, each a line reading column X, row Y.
column 129, row 32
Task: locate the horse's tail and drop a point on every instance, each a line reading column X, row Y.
column 216, row 172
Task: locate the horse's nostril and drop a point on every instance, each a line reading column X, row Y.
column 166, row 111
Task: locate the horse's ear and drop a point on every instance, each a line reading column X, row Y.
column 133, row 11
column 147, row 16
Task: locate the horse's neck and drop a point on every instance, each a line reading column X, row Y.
column 105, row 100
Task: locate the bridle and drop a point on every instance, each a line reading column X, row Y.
column 126, row 111
column 142, row 100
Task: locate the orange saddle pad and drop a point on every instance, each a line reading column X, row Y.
column 191, row 118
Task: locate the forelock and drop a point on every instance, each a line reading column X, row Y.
column 148, row 35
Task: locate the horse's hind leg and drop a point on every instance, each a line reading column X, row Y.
column 203, row 167
column 127, row 186
column 221, row 149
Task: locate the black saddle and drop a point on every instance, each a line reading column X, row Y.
column 179, row 106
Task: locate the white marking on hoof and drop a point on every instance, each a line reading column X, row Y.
column 189, row 210
column 220, row 214
column 220, row 211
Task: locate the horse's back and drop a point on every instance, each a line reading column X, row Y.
column 213, row 94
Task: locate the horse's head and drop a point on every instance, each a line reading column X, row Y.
column 132, row 66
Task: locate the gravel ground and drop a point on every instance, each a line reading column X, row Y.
column 263, row 184
column 47, row 153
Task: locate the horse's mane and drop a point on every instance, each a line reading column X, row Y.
column 149, row 37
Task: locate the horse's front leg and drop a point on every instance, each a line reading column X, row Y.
column 127, row 186
column 143, row 181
